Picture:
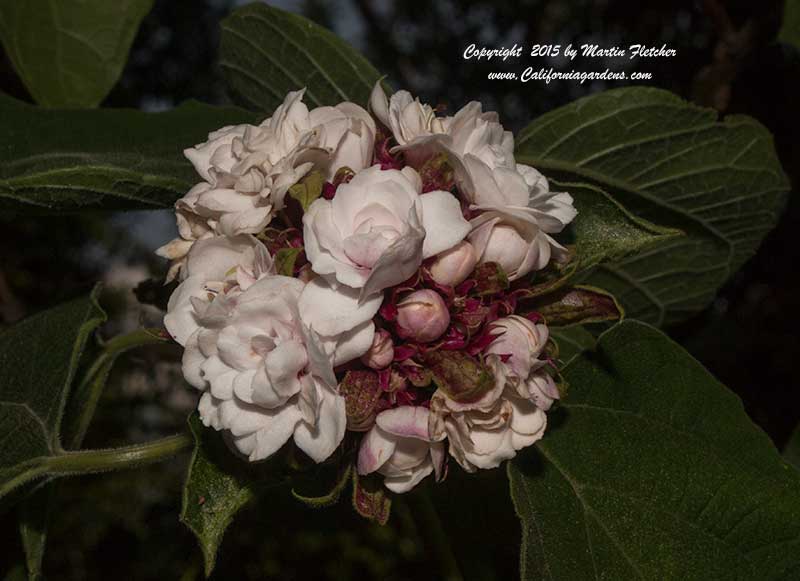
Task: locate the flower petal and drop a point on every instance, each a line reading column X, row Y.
column 443, row 221
column 376, row 448
column 405, row 421
column 332, row 308
column 399, row 262
column 321, row 440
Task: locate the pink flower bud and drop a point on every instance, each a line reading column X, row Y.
column 453, row 266
column 381, row 353
column 422, row 316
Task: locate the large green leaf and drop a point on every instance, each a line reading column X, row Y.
column 70, row 53
column 673, row 164
column 266, row 52
column 64, row 160
column 218, row 484
column 604, row 231
column 38, row 358
column 572, row 341
column 651, row 470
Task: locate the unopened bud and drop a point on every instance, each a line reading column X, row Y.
column 381, row 353
column 422, row 316
column 453, row 266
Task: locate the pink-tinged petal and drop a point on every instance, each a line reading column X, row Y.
column 491, row 448
column 219, row 376
column 213, row 258
column 250, row 221
column 225, row 200
column 200, row 155
column 376, row 448
column 193, row 359
column 321, row 260
column 319, row 221
column 356, row 112
column 349, row 200
column 244, row 382
column 209, row 407
column 482, row 228
column 180, row 319
column 527, row 419
column 401, row 484
column 320, row 441
column 405, row 421
column 275, row 433
column 409, row 454
column 439, row 460
column 353, row 344
column 319, row 362
column 443, row 221
column 353, row 151
column 331, row 308
column 379, row 104
column 281, row 366
column 399, row 261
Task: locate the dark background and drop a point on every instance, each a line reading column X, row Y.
column 126, row 524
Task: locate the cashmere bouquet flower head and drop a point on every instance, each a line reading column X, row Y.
column 345, row 271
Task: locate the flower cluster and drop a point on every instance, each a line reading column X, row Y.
column 344, row 270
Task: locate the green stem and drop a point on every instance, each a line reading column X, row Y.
column 91, row 386
column 91, row 461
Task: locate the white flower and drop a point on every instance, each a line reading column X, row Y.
column 481, row 152
column 347, row 133
column 484, row 433
column 212, row 265
column 249, row 169
column 522, row 342
column 405, row 116
column 400, row 448
column 518, row 214
column 264, row 375
column 378, row 228
column 344, row 323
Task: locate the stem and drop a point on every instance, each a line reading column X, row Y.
column 91, row 387
column 431, row 528
column 91, row 461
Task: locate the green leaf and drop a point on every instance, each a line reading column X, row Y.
column 790, row 29
column 676, row 165
column 70, row 53
column 218, row 485
column 652, row 470
column 38, row 359
column 34, row 518
column 308, row 189
column 604, row 231
column 83, row 402
column 266, row 52
column 285, row 259
column 572, row 341
column 67, row 160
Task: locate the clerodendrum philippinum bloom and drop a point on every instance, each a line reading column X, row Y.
column 406, row 266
